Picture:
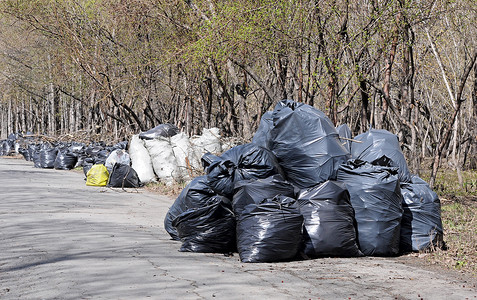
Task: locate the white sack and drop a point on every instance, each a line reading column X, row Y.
column 209, row 141
column 163, row 160
column 181, row 147
column 140, row 160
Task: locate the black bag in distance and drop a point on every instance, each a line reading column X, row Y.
column 196, row 194
column 81, row 158
column 13, row 136
column 25, row 153
column 242, row 162
column 7, row 147
column 123, row 176
column 164, row 130
column 329, row 228
column 377, row 201
column 88, row 162
column 270, row 231
column 65, row 160
column 208, row 229
column 306, row 144
column 120, row 146
column 78, row 148
column 47, row 158
column 101, row 156
column 32, row 148
column 421, row 225
column 36, row 158
column 93, row 149
column 256, row 190
column 377, row 143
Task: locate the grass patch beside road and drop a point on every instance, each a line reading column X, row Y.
column 460, row 235
column 447, row 183
column 171, row 190
column 459, row 219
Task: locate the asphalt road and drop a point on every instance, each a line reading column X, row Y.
column 60, row 239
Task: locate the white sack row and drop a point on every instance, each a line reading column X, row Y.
column 177, row 158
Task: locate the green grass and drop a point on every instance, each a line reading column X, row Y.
column 460, row 235
column 459, row 219
column 447, row 183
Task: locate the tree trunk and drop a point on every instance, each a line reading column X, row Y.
column 240, row 94
column 445, row 141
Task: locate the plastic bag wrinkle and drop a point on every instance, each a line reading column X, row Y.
column 256, row 190
column 377, row 201
column 329, row 228
column 123, row 176
column 378, row 142
column 208, row 229
column 269, row 231
column 306, row 144
column 242, row 162
column 421, row 225
column 196, row 194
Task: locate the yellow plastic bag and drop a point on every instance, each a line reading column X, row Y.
column 98, row 175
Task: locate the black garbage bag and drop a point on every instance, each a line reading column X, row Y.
column 32, row 148
column 270, row 231
column 36, row 158
column 123, row 176
column 165, row 130
column 120, row 146
column 7, row 147
column 421, row 225
column 13, row 136
column 61, row 146
column 196, row 194
column 3, row 148
column 25, row 153
column 48, row 157
column 208, row 159
column 207, row 229
column 345, row 136
column 82, row 156
column 377, row 201
column 306, row 144
column 262, row 135
column 93, row 149
column 378, row 142
column 256, row 190
column 65, row 160
column 88, row 162
column 101, row 156
column 79, row 148
column 242, row 162
column 329, row 221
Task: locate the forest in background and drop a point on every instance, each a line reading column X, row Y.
column 116, row 67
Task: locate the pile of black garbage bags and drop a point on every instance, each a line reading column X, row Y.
column 70, row 155
column 303, row 190
column 9, row 145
